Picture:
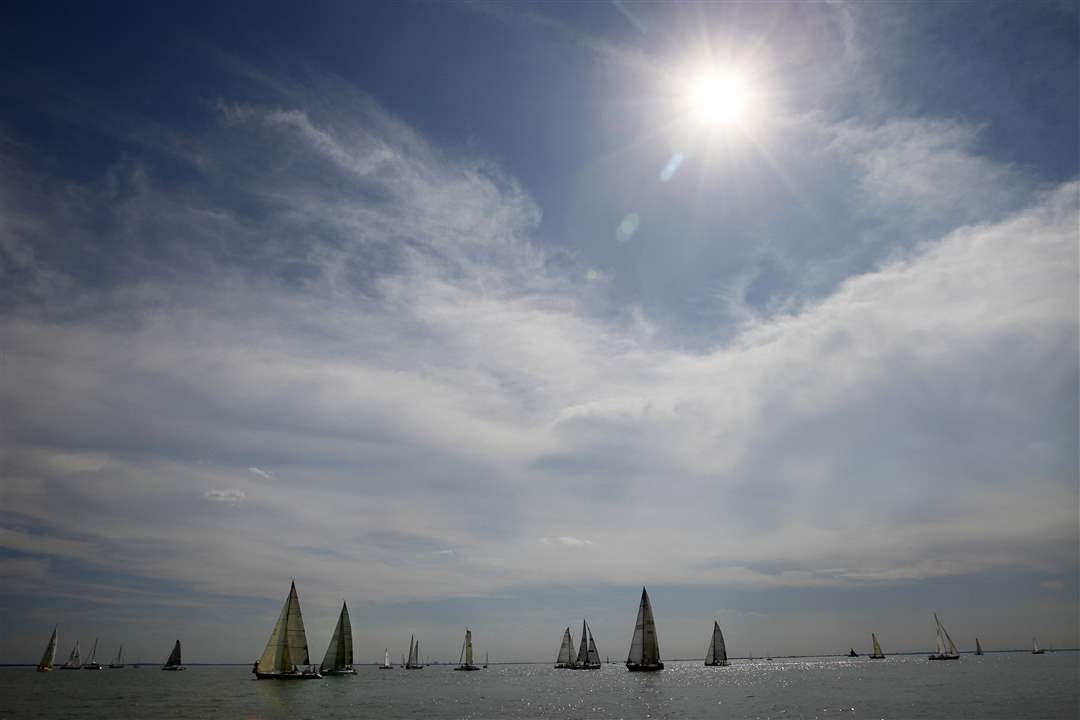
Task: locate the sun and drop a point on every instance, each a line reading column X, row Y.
column 718, row 98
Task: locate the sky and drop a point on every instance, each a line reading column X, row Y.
column 488, row 315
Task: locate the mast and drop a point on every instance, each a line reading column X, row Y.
column 49, row 657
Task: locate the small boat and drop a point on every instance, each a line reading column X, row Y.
column 978, row 647
column 73, row 660
column 465, row 660
column 339, row 654
column 565, row 661
column 485, row 659
column 1035, row 649
column 946, row 648
column 716, row 655
column 386, row 664
column 92, row 663
column 174, row 663
column 49, row 657
column 587, row 658
column 119, row 663
column 851, row 653
column 287, row 649
column 877, row 654
column 645, row 646
column 413, row 663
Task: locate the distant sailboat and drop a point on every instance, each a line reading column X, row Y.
column 587, row 657
column 485, row 659
column 851, row 653
column 174, row 662
column 386, row 664
column 978, row 647
column 413, row 663
column 92, row 663
column 73, row 662
column 119, row 659
column 49, row 657
column 645, row 647
column 946, row 648
column 877, row 654
column 465, row 659
column 339, row 655
column 716, row 656
column 1035, row 649
column 287, row 648
column 565, row 660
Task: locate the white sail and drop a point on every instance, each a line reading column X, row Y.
column 583, row 651
column 386, row 659
column 73, row 659
column 1034, row 645
column 49, row 657
column 339, row 654
column 468, row 646
column 93, row 653
column 414, row 654
column 877, row 647
column 594, row 656
column 566, row 650
column 287, row 646
column 645, row 646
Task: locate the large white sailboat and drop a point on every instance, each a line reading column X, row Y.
column 386, row 664
column 716, row 656
column 877, row 654
column 73, row 660
column 174, row 662
column 286, row 653
column 49, row 657
column 413, row 663
column 339, row 654
column 946, row 648
column 645, row 647
column 91, row 662
column 465, row 661
column 587, row 658
column 565, row 661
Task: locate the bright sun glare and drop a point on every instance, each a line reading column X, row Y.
column 719, row 98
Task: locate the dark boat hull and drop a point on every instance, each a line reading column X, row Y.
column 467, row 668
column 634, row 667
column 876, row 657
column 173, row 668
column 944, row 657
column 287, row 676
column 346, row 671
column 717, row 664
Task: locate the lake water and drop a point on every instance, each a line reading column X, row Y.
column 1000, row 685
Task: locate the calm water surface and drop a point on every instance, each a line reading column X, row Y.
column 1015, row 685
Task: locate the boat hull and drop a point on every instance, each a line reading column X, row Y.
column 343, row 671
column 386, row 667
column 44, row 669
column 944, row 657
column 116, row 667
column 635, row 667
column 91, row 666
column 725, row 663
column 173, row 668
column 467, row 668
column 594, row 666
column 876, row 657
column 1038, row 652
column 287, row 676
column 70, row 667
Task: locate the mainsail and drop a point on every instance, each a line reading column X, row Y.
column 594, row 656
column 73, row 660
column 978, row 647
column 583, row 651
column 174, row 656
column 877, row 654
column 946, row 648
column 414, row 655
column 466, row 659
column 49, row 657
column 645, row 647
column 386, row 659
column 1035, row 647
column 566, row 651
column 339, row 654
column 287, row 647
column 717, row 654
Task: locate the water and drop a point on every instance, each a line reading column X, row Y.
column 1015, row 685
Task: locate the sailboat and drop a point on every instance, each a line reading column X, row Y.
column 565, row 660
column 73, row 660
column 978, row 647
column 1035, row 649
column 587, row 657
column 877, row 654
column 174, row 663
column 645, row 646
column 485, row 659
column 287, row 648
column 465, row 660
column 716, row 656
column 946, row 648
column 338, row 658
column 119, row 659
column 92, row 663
column 47, row 659
column 386, row 664
column 413, row 663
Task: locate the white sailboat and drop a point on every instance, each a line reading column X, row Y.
column 413, row 663
column 645, row 647
column 119, row 663
column 565, row 660
column 174, row 662
column 49, row 657
column 91, row 662
column 978, row 647
column 339, row 654
column 1035, row 649
column 877, row 654
column 73, row 660
column 946, row 648
column 286, row 651
column 386, row 664
column 466, row 659
column 717, row 653
column 587, row 657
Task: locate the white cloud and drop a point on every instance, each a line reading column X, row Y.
column 232, row 496
column 261, row 473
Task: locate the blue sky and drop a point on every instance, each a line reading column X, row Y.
column 462, row 313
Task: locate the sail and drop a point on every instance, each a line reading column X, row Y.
column 73, row 659
column 594, row 656
column 877, row 647
column 414, row 653
column 645, row 647
column 566, row 650
column 93, row 652
column 339, row 653
column 174, row 656
column 419, row 657
column 386, row 658
column 50, row 653
column 719, row 649
column 952, row 645
column 978, row 647
column 287, row 646
column 583, row 651
column 120, row 655
column 1034, row 645
column 468, row 646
